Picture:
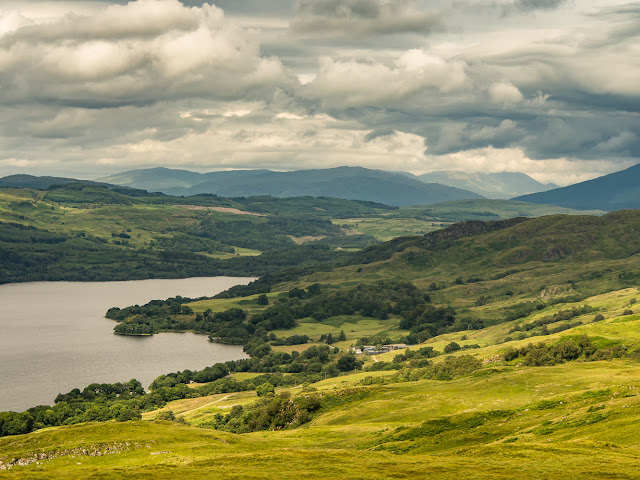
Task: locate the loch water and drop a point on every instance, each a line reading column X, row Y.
column 54, row 337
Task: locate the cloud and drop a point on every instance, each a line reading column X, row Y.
column 525, row 6
column 362, row 18
column 551, row 87
column 354, row 83
column 505, row 93
column 142, row 52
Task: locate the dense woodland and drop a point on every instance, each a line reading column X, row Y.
column 379, row 300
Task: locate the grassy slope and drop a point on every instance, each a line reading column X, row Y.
column 541, row 422
column 540, row 258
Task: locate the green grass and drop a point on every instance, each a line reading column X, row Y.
column 546, row 422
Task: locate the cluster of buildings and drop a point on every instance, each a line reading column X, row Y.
column 375, row 350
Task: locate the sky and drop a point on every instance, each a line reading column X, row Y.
column 550, row 88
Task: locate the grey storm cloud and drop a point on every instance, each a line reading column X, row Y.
column 537, row 4
column 377, row 83
column 142, row 52
column 346, row 18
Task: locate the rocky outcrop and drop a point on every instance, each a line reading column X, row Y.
column 89, row 451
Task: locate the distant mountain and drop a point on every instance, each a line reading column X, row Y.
column 353, row 183
column 172, row 181
column 154, row 179
column 501, row 185
column 616, row 191
column 32, row 181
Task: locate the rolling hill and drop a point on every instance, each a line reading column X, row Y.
column 352, row 183
column 544, row 394
column 616, row 191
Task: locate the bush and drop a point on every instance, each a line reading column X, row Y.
column 166, row 415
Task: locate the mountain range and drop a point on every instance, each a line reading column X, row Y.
column 610, row 192
column 353, row 183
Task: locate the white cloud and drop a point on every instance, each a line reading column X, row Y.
column 505, row 93
column 353, row 83
column 561, row 170
column 357, row 82
column 145, row 51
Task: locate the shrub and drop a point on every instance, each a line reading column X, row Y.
column 452, row 347
column 166, row 415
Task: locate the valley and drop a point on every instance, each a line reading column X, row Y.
column 518, row 340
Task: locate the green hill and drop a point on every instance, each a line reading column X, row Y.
column 95, row 232
column 574, row 253
column 500, row 418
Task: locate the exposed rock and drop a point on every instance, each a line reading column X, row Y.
column 97, row 450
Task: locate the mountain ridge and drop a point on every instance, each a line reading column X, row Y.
column 351, row 183
column 615, row 191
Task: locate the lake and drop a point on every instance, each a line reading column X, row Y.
column 54, row 337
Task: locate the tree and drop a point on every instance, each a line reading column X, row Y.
column 347, row 363
column 314, row 289
column 342, row 336
column 263, row 299
column 265, row 389
column 329, row 339
column 452, row 347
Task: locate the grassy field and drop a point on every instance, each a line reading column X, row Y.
column 546, row 422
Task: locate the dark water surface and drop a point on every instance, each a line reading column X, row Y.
column 54, row 337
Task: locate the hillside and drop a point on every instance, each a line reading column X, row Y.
column 494, row 415
column 502, row 185
column 93, row 232
column 353, row 183
column 615, row 191
column 524, row 361
column 487, row 210
column 551, row 256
